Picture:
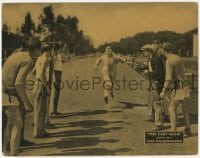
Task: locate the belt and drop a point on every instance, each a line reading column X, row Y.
column 38, row 80
column 10, row 91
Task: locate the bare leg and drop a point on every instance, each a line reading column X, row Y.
column 7, row 134
column 15, row 124
column 172, row 109
column 107, row 84
column 23, row 114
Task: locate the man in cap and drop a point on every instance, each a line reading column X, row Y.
column 156, row 48
column 15, row 100
column 175, row 83
column 109, row 69
column 155, row 71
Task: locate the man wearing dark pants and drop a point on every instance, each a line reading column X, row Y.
column 155, row 72
column 57, row 81
column 57, row 84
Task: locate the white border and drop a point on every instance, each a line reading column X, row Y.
column 59, row 1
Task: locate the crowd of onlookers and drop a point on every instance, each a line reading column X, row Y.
column 43, row 60
column 168, row 86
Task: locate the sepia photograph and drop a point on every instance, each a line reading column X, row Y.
column 99, row 79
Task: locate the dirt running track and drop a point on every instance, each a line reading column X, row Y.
column 89, row 127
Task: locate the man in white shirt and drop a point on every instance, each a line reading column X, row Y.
column 42, row 91
column 57, row 82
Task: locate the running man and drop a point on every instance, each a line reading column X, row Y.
column 109, row 69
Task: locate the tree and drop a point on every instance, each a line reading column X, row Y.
column 48, row 17
column 28, row 27
column 65, row 30
column 132, row 45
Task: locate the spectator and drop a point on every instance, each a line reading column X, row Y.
column 42, row 91
column 174, row 81
column 155, row 71
column 15, row 100
column 57, row 80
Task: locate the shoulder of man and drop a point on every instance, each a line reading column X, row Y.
column 21, row 58
column 102, row 56
column 43, row 59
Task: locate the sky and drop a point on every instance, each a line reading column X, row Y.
column 107, row 22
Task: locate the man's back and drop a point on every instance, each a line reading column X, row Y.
column 12, row 67
column 175, row 71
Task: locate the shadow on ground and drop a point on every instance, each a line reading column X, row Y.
column 73, row 142
column 81, row 132
column 85, row 113
column 129, row 105
column 86, row 136
column 68, row 144
column 94, row 151
column 181, row 120
column 87, row 123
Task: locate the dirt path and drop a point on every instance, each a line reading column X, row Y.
column 89, row 127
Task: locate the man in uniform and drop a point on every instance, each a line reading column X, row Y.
column 109, row 69
column 15, row 100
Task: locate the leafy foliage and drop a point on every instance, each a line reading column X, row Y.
column 28, row 27
column 65, row 30
column 182, row 43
